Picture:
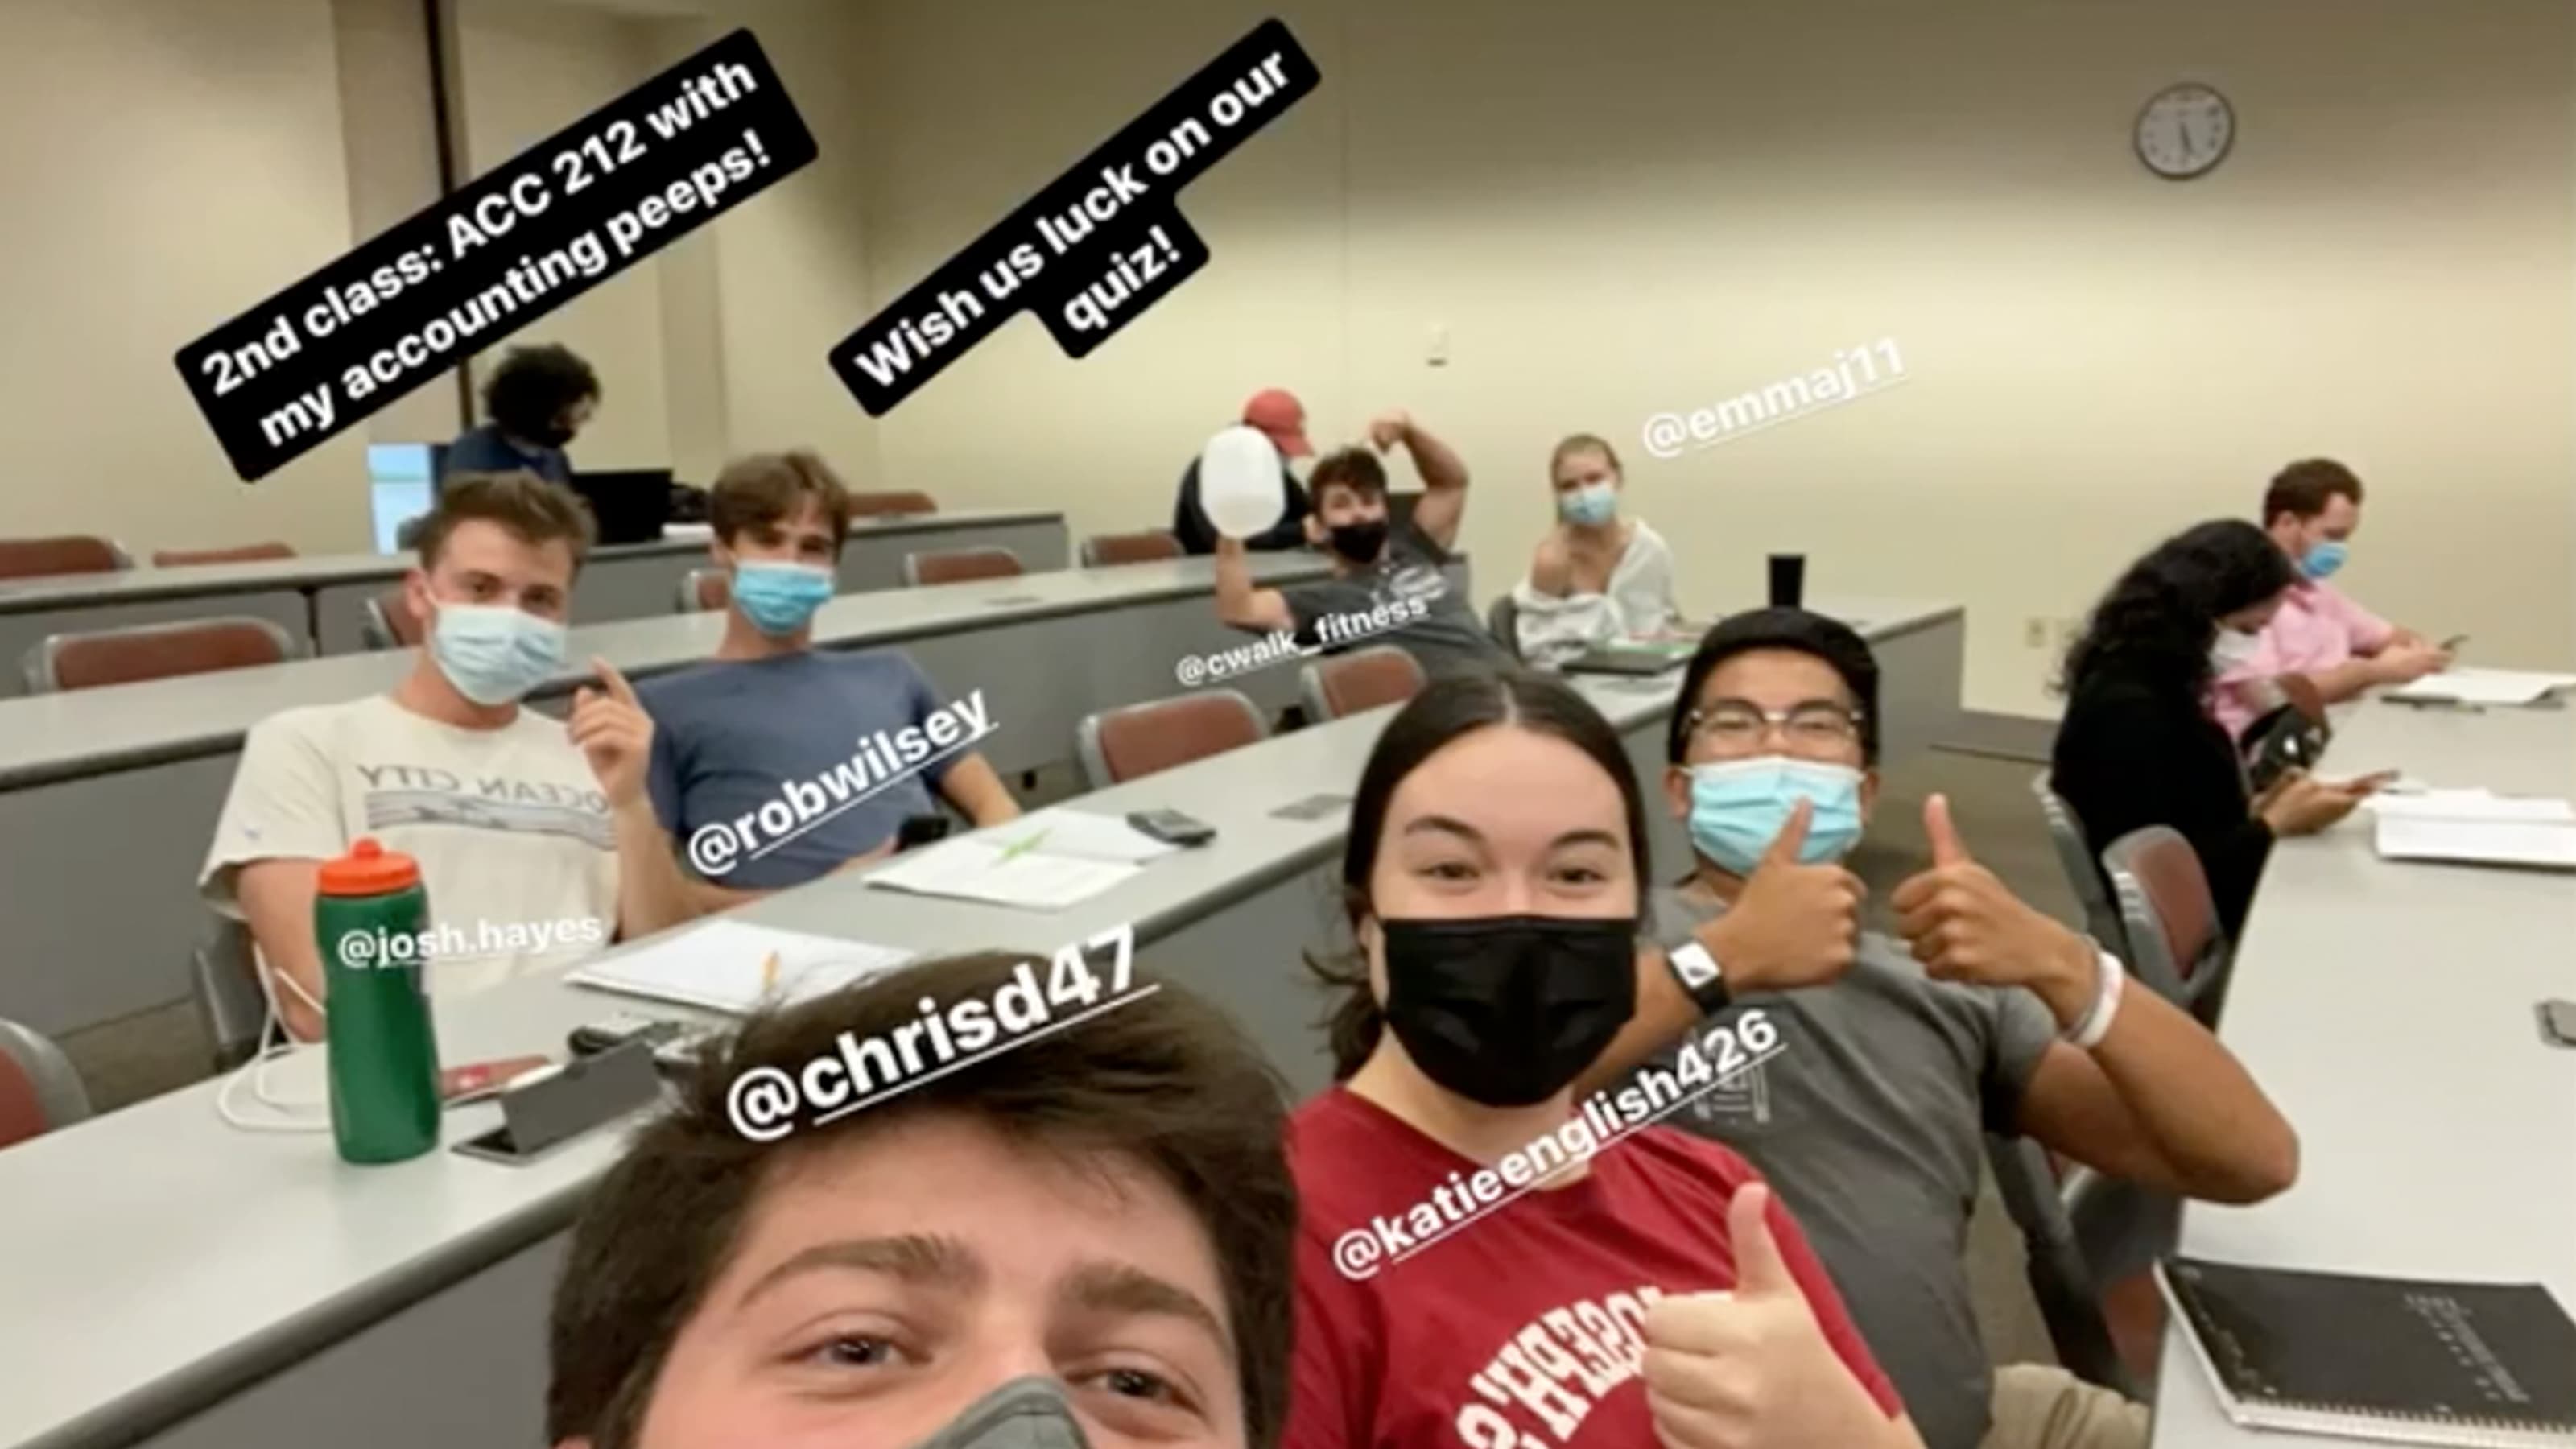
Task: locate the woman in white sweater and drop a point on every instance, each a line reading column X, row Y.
column 1597, row 577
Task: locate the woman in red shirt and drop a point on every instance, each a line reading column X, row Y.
column 1468, row 1271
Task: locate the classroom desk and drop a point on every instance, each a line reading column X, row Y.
column 2387, row 1009
column 263, row 1292
column 322, row 599
column 136, row 774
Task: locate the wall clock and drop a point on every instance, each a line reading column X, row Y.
column 2185, row 130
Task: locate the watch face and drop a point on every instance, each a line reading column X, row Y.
column 1693, row 964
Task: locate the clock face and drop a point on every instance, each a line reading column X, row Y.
column 2185, row 131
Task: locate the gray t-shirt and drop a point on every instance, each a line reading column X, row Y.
column 1870, row 1120
column 1446, row 639
column 730, row 735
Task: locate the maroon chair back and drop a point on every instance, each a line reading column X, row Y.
column 1361, row 680
column 22, row 1111
column 1127, row 548
column 163, row 558
column 706, row 590
column 157, row 651
column 2304, row 696
column 889, row 505
column 1127, row 744
column 955, row 566
column 71, row 553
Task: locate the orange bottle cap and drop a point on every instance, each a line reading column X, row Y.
column 368, row 870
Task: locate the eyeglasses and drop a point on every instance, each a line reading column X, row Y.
column 1738, row 727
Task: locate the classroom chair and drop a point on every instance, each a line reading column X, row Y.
column 706, row 590
column 957, row 565
column 1346, row 684
column 1503, row 621
column 388, row 623
column 2176, row 944
column 163, row 558
column 2092, row 892
column 890, row 505
column 70, row 553
column 155, row 651
column 1136, row 740
column 39, row 1091
column 1150, row 546
column 2092, row 1244
column 223, row 985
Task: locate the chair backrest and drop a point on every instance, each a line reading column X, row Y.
column 39, row 1091
column 1503, row 621
column 1127, row 548
column 888, row 505
column 704, row 590
column 223, row 984
column 70, row 553
column 163, row 558
column 1362, row 679
column 2176, row 943
column 2083, row 875
column 957, row 565
column 388, row 623
column 2062, row 1278
column 2304, row 696
column 1136, row 740
column 155, row 651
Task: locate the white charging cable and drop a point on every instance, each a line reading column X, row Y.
column 291, row 1113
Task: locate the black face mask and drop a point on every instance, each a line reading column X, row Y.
column 1360, row 542
column 1026, row 1413
column 1505, row 1010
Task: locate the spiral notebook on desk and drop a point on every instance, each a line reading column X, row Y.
column 2483, row 1365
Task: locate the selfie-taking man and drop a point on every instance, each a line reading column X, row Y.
column 1383, row 574
column 1092, row 1231
column 1897, row 1056
column 521, row 823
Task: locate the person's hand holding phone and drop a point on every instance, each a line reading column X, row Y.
column 2301, row 804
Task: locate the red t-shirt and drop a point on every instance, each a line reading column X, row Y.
column 1522, row 1328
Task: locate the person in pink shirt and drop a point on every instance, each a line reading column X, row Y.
column 2312, row 510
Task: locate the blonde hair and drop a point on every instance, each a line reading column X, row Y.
column 1574, row 443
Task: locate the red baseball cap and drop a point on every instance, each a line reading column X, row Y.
column 1276, row 411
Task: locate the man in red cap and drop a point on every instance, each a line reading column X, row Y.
column 1277, row 413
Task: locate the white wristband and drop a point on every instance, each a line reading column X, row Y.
column 2088, row 1033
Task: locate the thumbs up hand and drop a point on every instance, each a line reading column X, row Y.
column 1966, row 925
column 1794, row 924
column 1751, row 1369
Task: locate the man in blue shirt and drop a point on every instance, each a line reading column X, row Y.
column 773, row 763
column 538, row 399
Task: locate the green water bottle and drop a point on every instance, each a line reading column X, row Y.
column 369, row 917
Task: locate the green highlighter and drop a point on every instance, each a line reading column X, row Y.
column 369, row 915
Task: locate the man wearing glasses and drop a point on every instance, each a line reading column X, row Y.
column 1896, row 1056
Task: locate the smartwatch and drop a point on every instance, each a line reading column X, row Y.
column 1702, row 979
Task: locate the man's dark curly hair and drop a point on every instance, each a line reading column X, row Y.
column 533, row 385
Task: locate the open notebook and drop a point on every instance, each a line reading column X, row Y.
column 1045, row 861
column 2484, row 686
column 733, row 966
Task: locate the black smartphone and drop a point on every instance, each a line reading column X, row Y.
column 2452, row 644
column 592, row 1038
column 919, row 830
column 1172, row 827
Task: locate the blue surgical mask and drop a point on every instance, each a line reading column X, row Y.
column 492, row 653
column 2324, row 557
column 780, row 598
column 1738, row 808
column 1593, row 504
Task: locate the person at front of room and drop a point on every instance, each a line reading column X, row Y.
column 1378, row 572
column 538, row 399
column 1598, row 576
column 2138, row 745
column 1652, row 1293
column 2312, row 510
column 769, row 708
column 1087, row 1238
column 516, row 818
column 1282, row 419
column 1870, row 1118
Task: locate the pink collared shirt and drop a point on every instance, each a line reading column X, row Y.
column 2318, row 627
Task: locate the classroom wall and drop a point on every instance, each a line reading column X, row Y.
column 1649, row 205
column 171, row 162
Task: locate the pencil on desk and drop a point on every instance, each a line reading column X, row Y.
column 769, row 973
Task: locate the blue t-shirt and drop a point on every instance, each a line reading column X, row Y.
column 731, row 737
column 484, row 450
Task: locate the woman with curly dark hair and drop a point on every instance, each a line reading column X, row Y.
column 2139, row 745
column 537, row 400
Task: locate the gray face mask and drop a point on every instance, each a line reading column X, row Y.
column 1026, row 1413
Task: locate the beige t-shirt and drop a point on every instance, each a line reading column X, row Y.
column 516, row 849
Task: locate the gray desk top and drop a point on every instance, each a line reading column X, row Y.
column 95, row 731
column 66, row 591
column 2387, row 1009
column 157, row 1258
